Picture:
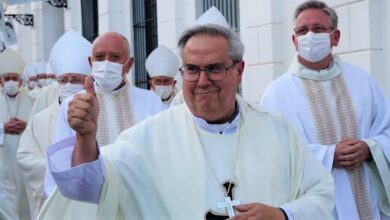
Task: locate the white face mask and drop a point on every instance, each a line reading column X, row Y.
column 41, row 82
column 68, row 89
column 314, row 47
column 49, row 81
column 32, row 84
column 11, row 87
column 107, row 75
column 163, row 91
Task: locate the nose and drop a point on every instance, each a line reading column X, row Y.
column 203, row 79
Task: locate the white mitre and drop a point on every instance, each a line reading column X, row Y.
column 70, row 54
column 212, row 16
column 11, row 62
column 40, row 67
column 162, row 62
column 49, row 69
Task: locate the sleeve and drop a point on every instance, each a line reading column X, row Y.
column 62, row 127
column 312, row 185
column 380, row 126
column 84, row 182
column 324, row 153
column 2, row 133
column 31, row 160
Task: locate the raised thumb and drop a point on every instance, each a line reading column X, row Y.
column 89, row 87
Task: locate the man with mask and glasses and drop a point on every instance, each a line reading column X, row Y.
column 15, row 107
column 340, row 112
column 69, row 60
column 162, row 66
column 197, row 160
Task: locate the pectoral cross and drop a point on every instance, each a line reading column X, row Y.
column 227, row 204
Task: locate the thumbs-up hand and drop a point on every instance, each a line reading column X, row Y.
column 83, row 111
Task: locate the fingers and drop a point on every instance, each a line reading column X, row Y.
column 349, row 141
column 257, row 211
column 83, row 112
column 244, row 208
column 89, row 87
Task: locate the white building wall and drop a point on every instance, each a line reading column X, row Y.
column 266, row 31
column 34, row 43
column 173, row 16
column 72, row 16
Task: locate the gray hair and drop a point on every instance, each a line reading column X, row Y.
column 235, row 46
column 318, row 5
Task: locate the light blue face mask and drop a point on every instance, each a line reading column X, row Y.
column 107, row 75
column 11, row 87
column 314, row 47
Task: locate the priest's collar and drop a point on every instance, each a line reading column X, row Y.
column 229, row 127
column 335, row 69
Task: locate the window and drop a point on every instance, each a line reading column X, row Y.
column 145, row 37
column 89, row 14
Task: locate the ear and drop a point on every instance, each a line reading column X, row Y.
column 90, row 61
column 127, row 67
column 295, row 41
column 335, row 38
column 240, row 69
column 174, row 82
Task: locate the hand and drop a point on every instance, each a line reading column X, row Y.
column 20, row 125
column 257, row 211
column 83, row 114
column 353, row 155
column 83, row 111
column 10, row 127
column 341, row 147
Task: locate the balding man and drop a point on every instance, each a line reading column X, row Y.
column 121, row 105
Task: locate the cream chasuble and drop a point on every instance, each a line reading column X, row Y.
column 326, row 106
column 45, row 98
column 31, row 154
column 169, row 176
column 14, row 201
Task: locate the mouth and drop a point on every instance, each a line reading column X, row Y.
column 205, row 91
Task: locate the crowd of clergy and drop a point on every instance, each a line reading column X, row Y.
column 349, row 134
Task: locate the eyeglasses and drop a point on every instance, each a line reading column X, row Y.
column 214, row 72
column 315, row 29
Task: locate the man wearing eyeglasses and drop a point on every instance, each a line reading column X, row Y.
column 340, row 112
column 198, row 160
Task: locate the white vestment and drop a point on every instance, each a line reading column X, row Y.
column 286, row 96
column 35, row 92
column 168, row 168
column 13, row 198
column 31, row 154
column 45, row 98
column 143, row 103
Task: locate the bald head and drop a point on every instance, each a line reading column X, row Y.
column 113, row 47
column 113, row 39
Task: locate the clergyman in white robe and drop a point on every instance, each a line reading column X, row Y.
column 32, row 154
column 288, row 95
column 172, row 166
column 11, row 182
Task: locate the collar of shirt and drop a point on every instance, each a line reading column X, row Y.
column 229, row 128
